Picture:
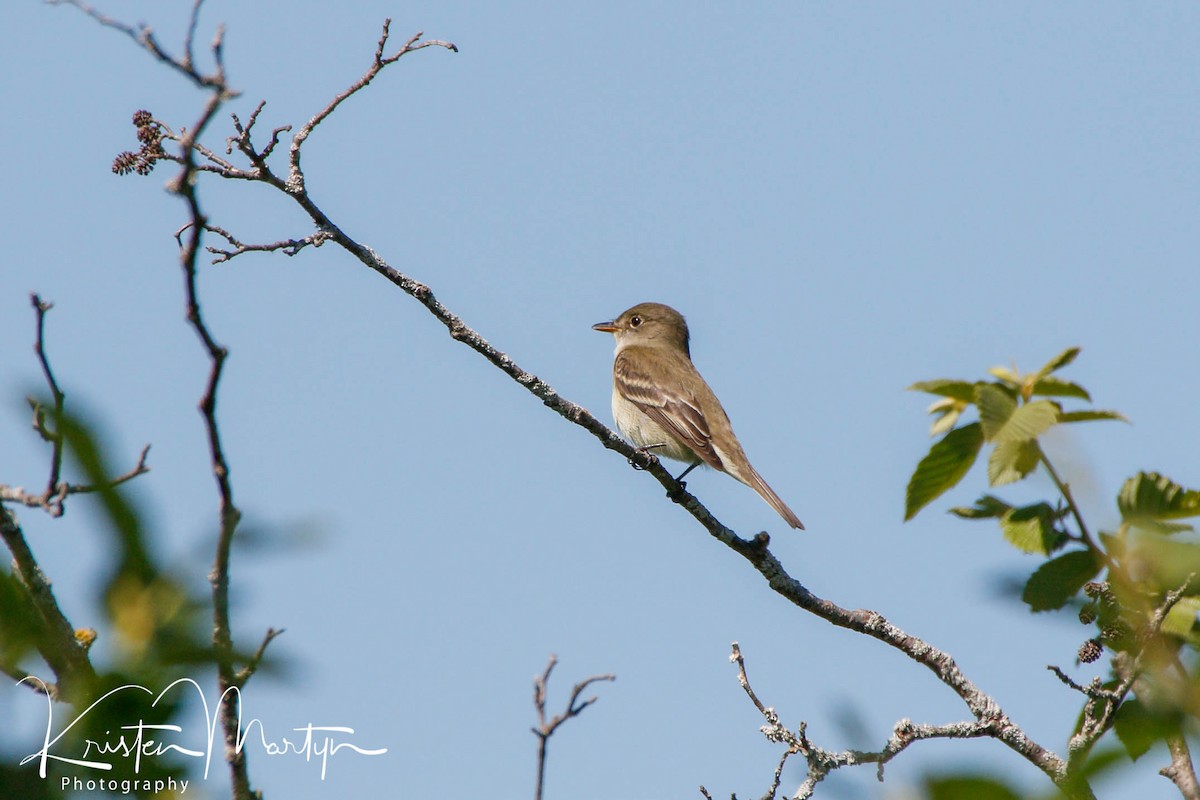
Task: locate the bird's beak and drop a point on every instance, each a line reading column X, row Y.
column 605, row 327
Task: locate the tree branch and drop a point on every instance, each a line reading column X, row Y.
column 1099, row 712
column 246, row 672
column 1181, row 771
column 39, row 420
column 52, row 499
column 289, row 247
column 547, row 727
column 822, row 762
column 295, row 175
column 184, row 186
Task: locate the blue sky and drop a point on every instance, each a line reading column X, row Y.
column 842, row 198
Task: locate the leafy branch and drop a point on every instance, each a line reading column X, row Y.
column 1135, row 584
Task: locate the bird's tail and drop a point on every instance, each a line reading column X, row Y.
column 756, row 482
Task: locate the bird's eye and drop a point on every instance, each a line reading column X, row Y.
column 635, row 321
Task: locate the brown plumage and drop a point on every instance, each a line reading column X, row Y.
column 661, row 402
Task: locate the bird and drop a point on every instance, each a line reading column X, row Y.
column 661, row 403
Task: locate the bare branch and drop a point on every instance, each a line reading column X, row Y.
column 53, row 502
column 1092, row 690
column 289, row 247
column 52, row 499
column 547, row 727
column 296, row 176
column 189, row 59
column 36, row 684
column 39, row 420
column 244, row 144
column 144, row 36
column 1181, row 772
column 821, row 762
column 228, row 513
column 246, row 672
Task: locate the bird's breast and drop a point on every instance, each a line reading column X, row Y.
column 638, row 428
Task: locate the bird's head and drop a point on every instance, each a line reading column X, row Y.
column 649, row 325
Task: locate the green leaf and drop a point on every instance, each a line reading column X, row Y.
column 1138, row 727
column 976, row 787
column 1165, row 528
column 1149, row 496
column 1164, row 564
column 1181, row 619
column 942, row 405
column 1058, row 580
column 985, row 507
column 1012, row 461
column 945, row 387
column 945, row 422
column 1116, row 545
column 1028, row 422
column 1057, row 387
column 1007, row 375
column 947, row 462
column 996, row 405
column 1058, row 362
column 1090, row 416
column 1031, row 529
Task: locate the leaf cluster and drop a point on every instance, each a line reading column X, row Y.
column 1136, row 586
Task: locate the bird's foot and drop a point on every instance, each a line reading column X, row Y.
column 645, row 453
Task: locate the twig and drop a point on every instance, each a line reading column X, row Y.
column 54, row 437
column 296, row 176
column 144, row 36
column 1085, row 536
column 53, row 503
column 288, row 247
column 1099, row 712
column 245, row 673
column 23, row 678
column 547, row 727
column 193, row 21
column 242, row 140
column 52, row 499
column 821, row 762
column 1181, row 772
column 1093, row 690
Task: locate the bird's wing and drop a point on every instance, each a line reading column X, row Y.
column 673, row 408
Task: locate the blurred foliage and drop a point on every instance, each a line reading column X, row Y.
column 1136, row 588
column 969, row 785
column 155, row 631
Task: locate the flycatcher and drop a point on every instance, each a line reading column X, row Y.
column 662, row 405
